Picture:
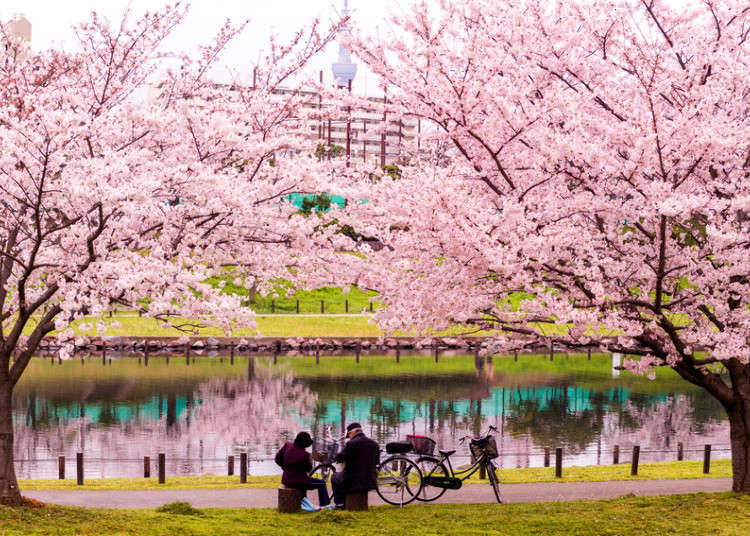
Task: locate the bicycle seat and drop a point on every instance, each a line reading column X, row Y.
column 446, row 453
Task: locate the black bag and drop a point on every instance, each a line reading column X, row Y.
column 398, row 447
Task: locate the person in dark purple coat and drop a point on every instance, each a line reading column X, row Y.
column 297, row 463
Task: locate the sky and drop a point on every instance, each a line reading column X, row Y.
column 52, row 20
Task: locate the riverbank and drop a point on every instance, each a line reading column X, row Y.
column 722, row 514
column 690, row 469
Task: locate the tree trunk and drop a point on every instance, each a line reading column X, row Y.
column 10, row 495
column 739, row 436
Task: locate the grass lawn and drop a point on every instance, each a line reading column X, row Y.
column 646, row 471
column 268, row 326
column 722, row 514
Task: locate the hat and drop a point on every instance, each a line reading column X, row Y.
column 303, row 440
column 352, row 426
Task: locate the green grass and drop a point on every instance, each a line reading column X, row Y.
column 593, row 473
column 268, row 326
column 720, row 514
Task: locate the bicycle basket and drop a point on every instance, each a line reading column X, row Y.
column 324, row 450
column 486, row 446
column 422, row 444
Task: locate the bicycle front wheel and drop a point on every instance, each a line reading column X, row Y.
column 431, row 467
column 324, row 471
column 494, row 482
column 399, row 480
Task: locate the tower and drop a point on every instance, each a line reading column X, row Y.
column 19, row 27
column 344, row 70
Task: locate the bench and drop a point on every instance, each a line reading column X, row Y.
column 290, row 500
column 356, row 501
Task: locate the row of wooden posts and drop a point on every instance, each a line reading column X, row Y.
column 322, row 306
column 161, row 466
column 634, row 459
column 273, row 307
column 244, row 463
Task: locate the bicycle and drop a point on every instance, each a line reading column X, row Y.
column 324, row 450
column 437, row 478
column 399, row 479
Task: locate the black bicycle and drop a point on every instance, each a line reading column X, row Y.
column 438, row 474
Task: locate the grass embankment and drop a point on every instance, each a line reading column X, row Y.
column 594, row 473
column 721, row 514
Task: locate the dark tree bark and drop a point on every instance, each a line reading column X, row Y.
column 10, row 495
column 739, row 428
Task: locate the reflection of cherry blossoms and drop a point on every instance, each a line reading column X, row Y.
column 659, row 427
column 257, row 413
column 221, row 417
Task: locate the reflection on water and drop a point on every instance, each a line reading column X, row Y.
column 200, row 412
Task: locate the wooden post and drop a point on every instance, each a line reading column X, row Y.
column 230, row 466
column 370, row 306
column 61, row 467
column 322, row 306
column 147, row 467
column 551, row 351
column 679, row 452
column 243, row 467
column 297, row 306
column 616, row 455
column 346, row 306
column 634, row 464
column 558, row 462
column 162, row 468
column 289, row 500
column 357, row 352
column 588, row 353
column 273, row 306
column 515, row 355
column 546, row 456
column 706, row 459
column 79, row 468
column 437, row 353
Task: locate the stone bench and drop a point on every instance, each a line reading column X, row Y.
column 356, row 501
column 290, row 500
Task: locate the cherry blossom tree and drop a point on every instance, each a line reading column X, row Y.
column 597, row 190
column 127, row 177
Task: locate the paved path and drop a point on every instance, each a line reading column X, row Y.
column 472, row 493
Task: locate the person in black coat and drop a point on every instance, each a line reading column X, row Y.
column 360, row 456
column 297, row 464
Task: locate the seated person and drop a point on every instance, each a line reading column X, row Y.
column 297, row 463
column 360, row 456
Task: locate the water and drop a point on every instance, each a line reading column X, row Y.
column 201, row 411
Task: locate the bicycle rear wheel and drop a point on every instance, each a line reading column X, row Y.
column 494, row 482
column 431, row 467
column 399, row 480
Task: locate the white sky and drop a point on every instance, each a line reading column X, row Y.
column 51, row 22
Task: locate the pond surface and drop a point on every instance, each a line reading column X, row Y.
column 201, row 411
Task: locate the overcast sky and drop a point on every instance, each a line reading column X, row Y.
column 51, row 21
